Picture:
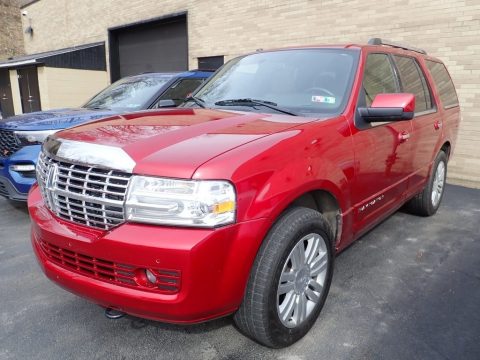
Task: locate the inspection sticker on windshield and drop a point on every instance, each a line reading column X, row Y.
column 323, row 99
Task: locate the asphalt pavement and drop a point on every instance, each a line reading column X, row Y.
column 409, row 289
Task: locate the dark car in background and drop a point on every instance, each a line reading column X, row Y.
column 21, row 136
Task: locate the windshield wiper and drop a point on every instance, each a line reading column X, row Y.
column 254, row 102
column 196, row 100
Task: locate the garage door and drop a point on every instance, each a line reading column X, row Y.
column 154, row 46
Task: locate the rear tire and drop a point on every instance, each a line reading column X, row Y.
column 289, row 280
column 428, row 201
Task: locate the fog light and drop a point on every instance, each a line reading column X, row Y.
column 22, row 167
column 150, row 276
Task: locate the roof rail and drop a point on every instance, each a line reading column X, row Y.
column 378, row 41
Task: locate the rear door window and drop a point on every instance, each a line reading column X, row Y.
column 379, row 77
column 413, row 81
column 444, row 83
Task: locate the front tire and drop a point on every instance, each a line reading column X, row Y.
column 290, row 279
column 428, row 201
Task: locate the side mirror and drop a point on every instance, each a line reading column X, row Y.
column 389, row 107
column 167, row 103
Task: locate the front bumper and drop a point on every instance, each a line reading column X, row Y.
column 9, row 191
column 15, row 185
column 214, row 263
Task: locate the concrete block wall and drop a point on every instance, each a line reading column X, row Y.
column 17, row 102
column 57, row 91
column 448, row 29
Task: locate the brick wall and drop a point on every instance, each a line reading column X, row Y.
column 448, row 29
column 11, row 39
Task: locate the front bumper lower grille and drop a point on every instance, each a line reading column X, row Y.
column 83, row 194
column 9, row 191
column 3, row 189
column 166, row 281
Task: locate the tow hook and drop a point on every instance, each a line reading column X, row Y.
column 113, row 314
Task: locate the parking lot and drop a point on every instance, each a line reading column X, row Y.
column 409, row 289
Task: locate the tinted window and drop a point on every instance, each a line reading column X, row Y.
column 307, row 81
column 413, row 82
column 181, row 89
column 444, row 83
column 379, row 77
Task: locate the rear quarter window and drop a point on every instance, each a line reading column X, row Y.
column 443, row 83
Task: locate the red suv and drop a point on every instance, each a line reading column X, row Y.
column 238, row 201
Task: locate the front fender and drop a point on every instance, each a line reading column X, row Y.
column 271, row 172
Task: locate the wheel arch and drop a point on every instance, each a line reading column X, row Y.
column 325, row 203
column 324, row 198
column 447, row 148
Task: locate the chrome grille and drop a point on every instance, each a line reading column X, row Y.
column 9, row 143
column 83, row 194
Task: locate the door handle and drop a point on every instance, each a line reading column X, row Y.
column 403, row 136
column 437, row 125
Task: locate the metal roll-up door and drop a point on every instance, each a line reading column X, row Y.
column 155, row 46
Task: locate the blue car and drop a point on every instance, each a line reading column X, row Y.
column 21, row 136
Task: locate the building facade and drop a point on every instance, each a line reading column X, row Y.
column 11, row 39
column 180, row 34
column 11, row 44
column 53, row 79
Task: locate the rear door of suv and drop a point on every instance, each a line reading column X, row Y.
column 427, row 123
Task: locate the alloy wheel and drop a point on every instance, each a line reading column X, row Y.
column 438, row 184
column 302, row 280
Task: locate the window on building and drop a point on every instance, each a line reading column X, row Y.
column 210, row 62
column 413, row 81
column 444, row 84
column 379, row 77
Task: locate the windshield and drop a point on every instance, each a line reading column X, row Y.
column 128, row 94
column 304, row 81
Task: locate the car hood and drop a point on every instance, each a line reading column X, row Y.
column 174, row 143
column 53, row 119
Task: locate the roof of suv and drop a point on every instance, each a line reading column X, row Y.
column 378, row 43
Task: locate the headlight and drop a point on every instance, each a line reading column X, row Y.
column 202, row 203
column 33, row 137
